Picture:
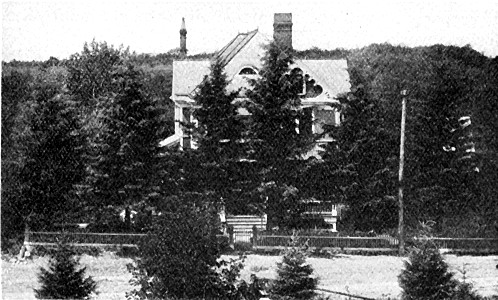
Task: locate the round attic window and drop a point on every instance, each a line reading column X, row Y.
column 248, row 71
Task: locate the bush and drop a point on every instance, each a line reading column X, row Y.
column 464, row 291
column 426, row 275
column 180, row 258
column 242, row 246
column 62, row 280
column 294, row 280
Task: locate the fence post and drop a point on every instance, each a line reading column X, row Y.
column 25, row 243
column 230, row 236
column 254, row 236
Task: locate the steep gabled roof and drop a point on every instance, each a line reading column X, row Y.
column 234, row 46
column 188, row 74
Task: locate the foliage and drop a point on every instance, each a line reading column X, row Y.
column 91, row 72
column 367, row 175
column 129, row 148
column 317, row 53
column 275, row 109
column 16, row 135
column 63, row 279
column 219, row 130
column 444, row 174
column 275, row 144
column 218, row 137
column 294, row 279
column 426, row 274
column 179, row 256
column 54, row 164
column 123, row 124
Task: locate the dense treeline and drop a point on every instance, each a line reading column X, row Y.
column 449, row 169
column 80, row 141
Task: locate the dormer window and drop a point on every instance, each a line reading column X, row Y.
column 248, row 71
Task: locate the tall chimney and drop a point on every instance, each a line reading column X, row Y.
column 183, row 38
column 282, row 30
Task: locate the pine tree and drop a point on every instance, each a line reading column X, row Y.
column 124, row 156
column 218, row 137
column 63, row 279
column 55, row 163
column 362, row 160
column 276, row 110
column 179, row 255
column 219, row 129
column 426, row 274
column 295, row 280
column 277, row 145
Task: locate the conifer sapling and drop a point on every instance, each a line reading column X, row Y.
column 63, row 280
column 295, row 280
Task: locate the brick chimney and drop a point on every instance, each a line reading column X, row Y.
column 282, row 30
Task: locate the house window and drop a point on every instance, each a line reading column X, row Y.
column 322, row 119
column 248, row 71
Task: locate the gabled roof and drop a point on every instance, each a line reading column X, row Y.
column 332, row 75
column 234, row 46
column 188, row 74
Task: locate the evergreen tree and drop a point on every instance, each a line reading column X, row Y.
column 426, row 274
column 125, row 157
column 294, row 279
column 16, row 136
column 277, row 145
column 54, row 163
column 219, row 129
column 364, row 160
column 179, row 256
column 63, row 279
column 275, row 108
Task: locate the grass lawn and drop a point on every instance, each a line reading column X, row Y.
column 370, row 276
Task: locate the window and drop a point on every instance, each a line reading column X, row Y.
column 248, row 71
column 322, row 119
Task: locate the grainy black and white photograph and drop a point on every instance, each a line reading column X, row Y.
column 247, row 150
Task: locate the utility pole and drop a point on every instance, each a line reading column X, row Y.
column 400, row 175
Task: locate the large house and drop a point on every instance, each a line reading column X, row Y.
column 323, row 80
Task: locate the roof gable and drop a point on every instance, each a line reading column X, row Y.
column 227, row 53
column 246, row 50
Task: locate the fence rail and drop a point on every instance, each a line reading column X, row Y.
column 466, row 243
column 262, row 241
column 359, row 243
column 83, row 239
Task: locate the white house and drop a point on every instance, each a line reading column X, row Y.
column 324, row 79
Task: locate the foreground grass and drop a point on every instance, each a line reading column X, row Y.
column 370, row 276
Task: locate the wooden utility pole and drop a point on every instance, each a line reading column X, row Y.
column 400, row 175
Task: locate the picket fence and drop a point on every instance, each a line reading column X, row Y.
column 264, row 241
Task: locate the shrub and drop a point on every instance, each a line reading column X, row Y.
column 62, row 280
column 180, row 258
column 426, row 276
column 294, row 280
column 242, row 246
column 465, row 291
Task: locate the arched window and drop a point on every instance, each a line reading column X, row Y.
column 248, row 71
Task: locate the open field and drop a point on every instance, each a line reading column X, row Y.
column 371, row 276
